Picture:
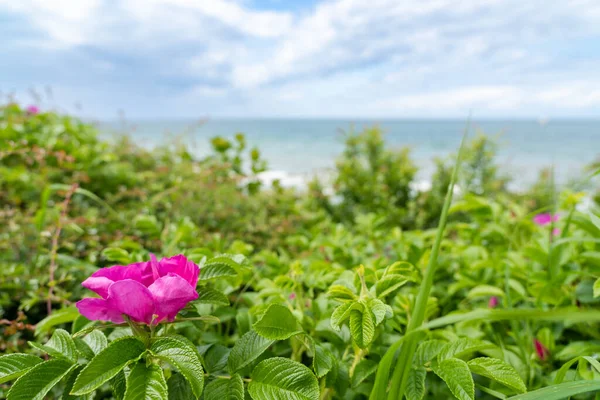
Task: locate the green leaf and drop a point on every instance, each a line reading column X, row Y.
column 341, row 293
column 428, row 350
column 246, row 350
column 363, row 370
column 322, row 361
column 179, row 388
column 69, row 386
column 182, row 354
column 282, row 378
column 278, row 323
column 561, row 391
column 461, row 347
column 379, row 310
column 457, row 376
column 485, row 291
column 342, row 313
column 118, row 384
column 116, row 254
column 415, row 388
column 107, row 364
column 208, row 295
column 39, row 380
column 225, row 389
column 14, row 365
column 597, row 288
column 394, row 277
column 499, row 371
column 216, row 270
column 146, row 383
column 60, row 345
column 96, row 341
column 362, row 327
column 57, row 317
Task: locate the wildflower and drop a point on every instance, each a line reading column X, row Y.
column 541, row 350
column 147, row 292
column 545, row 219
column 292, row 296
column 493, row 302
column 32, row 109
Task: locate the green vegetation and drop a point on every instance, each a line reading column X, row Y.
column 375, row 291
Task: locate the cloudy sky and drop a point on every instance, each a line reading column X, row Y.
column 306, row 58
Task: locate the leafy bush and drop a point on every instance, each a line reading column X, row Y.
column 298, row 297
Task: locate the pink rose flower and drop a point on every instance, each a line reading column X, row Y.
column 32, row 109
column 493, row 302
column 541, row 350
column 545, row 219
column 148, row 292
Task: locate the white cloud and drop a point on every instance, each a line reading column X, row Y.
column 367, row 57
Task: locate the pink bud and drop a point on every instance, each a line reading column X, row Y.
column 555, row 232
column 541, row 350
column 32, row 109
column 493, row 302
column 292, row 296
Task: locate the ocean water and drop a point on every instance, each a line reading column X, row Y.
column 299, row 148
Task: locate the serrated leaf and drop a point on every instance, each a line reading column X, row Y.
column 379, row 310
column 363, row 370
column 322, row 361
column 14, row 365
column 247, row 349
column 69, row 385
column 107, row 364
column 277, row 323
column 362, row 327
column 428, row 350
column 342, row 313
column 215, row 359
column 118, row 384
column 389, row 284
column 499, row 371
column 208, row 295
column 216, row 270
column 182, row 354
column 57, row 317
column 415, row 387
column 96, row 341
column 146, row 383
column 179, row 388
column 225, row 389
column 461, row 347
column 39, row 380
column 60, row 345
column 282, row 378
column 458, row 378
column 341, row 293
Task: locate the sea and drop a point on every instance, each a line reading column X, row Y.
column 298, row 149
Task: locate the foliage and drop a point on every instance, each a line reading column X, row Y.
column 300, row 297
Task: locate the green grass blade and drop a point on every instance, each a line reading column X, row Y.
column 571, row 315
column 561, row 391
column 404, row 363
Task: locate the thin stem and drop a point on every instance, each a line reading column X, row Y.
column 54, row 250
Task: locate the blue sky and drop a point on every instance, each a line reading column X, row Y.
column 304, row 58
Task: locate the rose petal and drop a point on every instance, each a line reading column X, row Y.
column 181, row 266
column 104, row 277
column 133, row 299
column 171, row 294
column 99, row 310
